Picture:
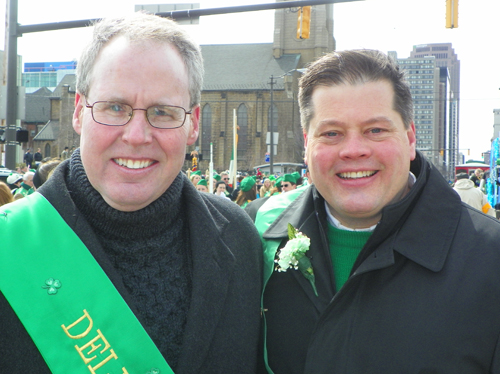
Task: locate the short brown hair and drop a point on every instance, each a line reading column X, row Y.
column 5, row 194
column 350, row 68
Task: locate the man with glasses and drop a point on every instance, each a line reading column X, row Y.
column 133, row 269
column 288, row 183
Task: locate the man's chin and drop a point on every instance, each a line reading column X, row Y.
column 128, row 201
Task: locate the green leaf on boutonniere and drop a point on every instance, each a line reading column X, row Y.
column 291, row 232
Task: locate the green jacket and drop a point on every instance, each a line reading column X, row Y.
column 24, row 190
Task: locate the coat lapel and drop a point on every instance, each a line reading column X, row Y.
column 212, row 266
column 302, row 215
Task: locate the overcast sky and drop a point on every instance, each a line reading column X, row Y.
column 387, row 25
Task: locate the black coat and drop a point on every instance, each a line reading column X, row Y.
column 28, row 158
column 423, row 296
column 222, row 328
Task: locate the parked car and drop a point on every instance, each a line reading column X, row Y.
column 4, row 173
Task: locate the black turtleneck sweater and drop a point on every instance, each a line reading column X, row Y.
column 150, row 249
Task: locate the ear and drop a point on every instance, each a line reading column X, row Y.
column 77, row 114
column 412, row 139
column 195, row 125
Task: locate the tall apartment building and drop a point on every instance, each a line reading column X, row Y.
column 428, row 94
column 447, row 61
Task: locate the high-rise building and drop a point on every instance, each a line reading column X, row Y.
column 428, row 95
column 449, row 65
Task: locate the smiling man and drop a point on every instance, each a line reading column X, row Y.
column 394, row 274
column 128, row 269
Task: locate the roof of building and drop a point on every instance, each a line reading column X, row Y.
column 44, row 91
column 244, row 66
column 49, row 132
column 38, row 105
column 68, row 79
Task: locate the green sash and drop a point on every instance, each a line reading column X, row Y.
column 76, row 317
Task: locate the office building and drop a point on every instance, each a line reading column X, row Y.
column 447, row 61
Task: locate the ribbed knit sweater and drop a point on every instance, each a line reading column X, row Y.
column 345, row 246
column 150, row 249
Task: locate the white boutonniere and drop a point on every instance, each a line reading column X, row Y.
column 294, row 255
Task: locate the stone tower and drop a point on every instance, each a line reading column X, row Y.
column 321, row 38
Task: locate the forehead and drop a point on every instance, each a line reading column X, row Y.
column 344, row 93
column 354, row 103
column 132, row 68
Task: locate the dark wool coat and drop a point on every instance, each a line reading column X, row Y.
column 222, row 327
column 423, row 296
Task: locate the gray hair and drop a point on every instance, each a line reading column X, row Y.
column 140, row 27
column 354, row 67
column 27, row 175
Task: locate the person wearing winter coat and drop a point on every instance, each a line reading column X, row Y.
column 471, row 195
column 378, row 267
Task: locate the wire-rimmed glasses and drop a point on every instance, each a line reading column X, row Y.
column 112, row 113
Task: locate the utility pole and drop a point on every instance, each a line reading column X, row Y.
column 11, row 86
column 271, row 132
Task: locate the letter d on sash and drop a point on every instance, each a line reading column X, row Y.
column 79, row 336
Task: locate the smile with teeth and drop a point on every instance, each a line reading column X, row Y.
column 356, row 174
column 133, row 164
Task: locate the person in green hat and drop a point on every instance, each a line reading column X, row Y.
column 195, row 177
column 202, row 185
column 247, row 191
column 288, row 183
column 276, row 189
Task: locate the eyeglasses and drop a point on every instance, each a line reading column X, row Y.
column 226, row 179
column 286, row 185
column 112, row 113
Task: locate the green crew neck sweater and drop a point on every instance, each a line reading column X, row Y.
column 345, row 246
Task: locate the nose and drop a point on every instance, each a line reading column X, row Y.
column 138, row 130
column 354, row 146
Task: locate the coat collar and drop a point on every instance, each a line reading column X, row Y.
column 412, row 226
column 213, row 265
column 429, row 229
column 298, row 210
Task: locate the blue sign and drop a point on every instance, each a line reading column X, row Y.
column 267, row 158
